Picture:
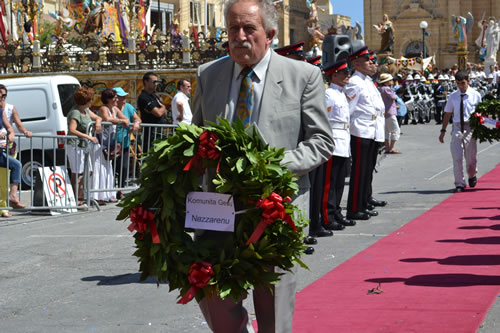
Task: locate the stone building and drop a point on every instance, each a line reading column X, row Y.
column 406, row 16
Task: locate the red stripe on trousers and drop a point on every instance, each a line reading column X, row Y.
column 326, row 190
column 356, row 175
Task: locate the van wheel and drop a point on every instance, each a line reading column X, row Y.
column 26, row 170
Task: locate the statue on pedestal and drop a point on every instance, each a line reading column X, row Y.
column 386, row 30
column 492, row 40
column 461, row 26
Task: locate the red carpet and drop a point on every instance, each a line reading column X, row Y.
column 439, row 273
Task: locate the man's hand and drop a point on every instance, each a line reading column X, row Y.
column 11, row 137
column 441, row 137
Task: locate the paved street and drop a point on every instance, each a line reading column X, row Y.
column 77, row 273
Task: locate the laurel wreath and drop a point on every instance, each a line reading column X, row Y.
column 486, row 109
column 244, row 167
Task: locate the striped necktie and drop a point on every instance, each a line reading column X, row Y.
column 244, row 107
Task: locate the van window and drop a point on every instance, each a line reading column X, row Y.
column 66, row 92
column 31, row 103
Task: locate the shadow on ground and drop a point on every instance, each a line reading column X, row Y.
column 118, row 279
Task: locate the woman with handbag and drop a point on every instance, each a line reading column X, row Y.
column 78, row 121
column 104, row 178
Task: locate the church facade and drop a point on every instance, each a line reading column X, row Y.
column 406, row 16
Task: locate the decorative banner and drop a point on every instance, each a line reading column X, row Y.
column 209, row 211
column 417, row 64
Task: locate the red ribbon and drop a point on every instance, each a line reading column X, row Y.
column 142, row 218
column 207, row 148
column 199, row 276
column 273, row 209
column 481, row 118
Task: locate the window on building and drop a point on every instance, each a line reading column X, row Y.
column 161, row 17
column 292, row 36
column 194, row 12
column 211, row 15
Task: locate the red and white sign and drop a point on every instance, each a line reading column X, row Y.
column 57, row 189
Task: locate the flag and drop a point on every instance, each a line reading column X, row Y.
column 142, row 17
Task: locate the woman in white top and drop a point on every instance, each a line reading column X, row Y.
column 103, row 177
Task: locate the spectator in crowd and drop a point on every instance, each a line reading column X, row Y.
column 12, row 118
column 13, row 164
column 78, row 121
column 181, row 111
column 11, row 112
column 391, row 123
column 104, row 175
column 401, row 106
column 122, row 136
column 152, row 110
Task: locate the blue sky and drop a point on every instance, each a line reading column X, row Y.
column 352, row 8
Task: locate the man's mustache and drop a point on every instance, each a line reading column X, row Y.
column 245, row 44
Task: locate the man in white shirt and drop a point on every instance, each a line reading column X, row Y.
column 460, row 106
column 181, row 111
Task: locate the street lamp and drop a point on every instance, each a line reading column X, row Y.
column 423, row 26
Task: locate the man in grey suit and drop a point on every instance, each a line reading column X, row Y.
column 289, row 109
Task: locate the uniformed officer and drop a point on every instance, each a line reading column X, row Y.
column 295, row 51
column 335, row 170
column 365, row 106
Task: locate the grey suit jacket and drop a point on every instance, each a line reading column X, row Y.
column 293, row 112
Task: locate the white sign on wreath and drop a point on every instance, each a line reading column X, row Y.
column 210, row 211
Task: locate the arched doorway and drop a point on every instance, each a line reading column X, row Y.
column 414, row 49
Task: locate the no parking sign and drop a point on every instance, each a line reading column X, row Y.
column 57, row 188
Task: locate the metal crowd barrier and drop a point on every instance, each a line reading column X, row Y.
column 109, row 166
column 43, row 162
column 116, row 160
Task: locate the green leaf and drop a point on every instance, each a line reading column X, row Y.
column 239, row 165
column 189, row 151
column 171, row 177
column 187, row 138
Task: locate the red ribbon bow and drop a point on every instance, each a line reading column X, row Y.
column 481, row 118
column 207, row 148
column 142, row 218
column 199, row 276
column 273, row 209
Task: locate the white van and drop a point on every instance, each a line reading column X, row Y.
column 42, row 103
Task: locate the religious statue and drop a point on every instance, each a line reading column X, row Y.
column 386, row 30
column 492, row 40
column 461, row 26
column 481, row 39
column 63, row 21
column 313, row 12
column 353, row 32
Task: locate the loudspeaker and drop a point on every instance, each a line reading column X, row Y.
column 335, row 48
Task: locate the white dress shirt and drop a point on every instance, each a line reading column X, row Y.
column 258, row 81
column 338, row 116
column 471, row 99
column 186, row 109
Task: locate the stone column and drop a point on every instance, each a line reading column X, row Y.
column 132, row 52
column 36, row 56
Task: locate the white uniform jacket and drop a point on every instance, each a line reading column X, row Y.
column 363, row 115
column 338, row 116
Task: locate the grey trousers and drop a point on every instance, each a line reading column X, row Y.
column 463, row 146
column 274, row 306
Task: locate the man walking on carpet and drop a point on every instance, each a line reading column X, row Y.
column 286, row 99
column 460, row 106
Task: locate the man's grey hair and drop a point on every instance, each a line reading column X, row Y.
column 268, row 13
